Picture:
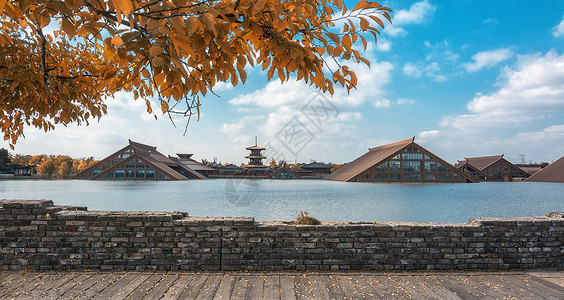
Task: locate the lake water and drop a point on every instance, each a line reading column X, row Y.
column 283, row 199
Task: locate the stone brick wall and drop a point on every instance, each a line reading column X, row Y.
column 37, row 235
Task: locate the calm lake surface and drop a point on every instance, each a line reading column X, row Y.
column 283, row 199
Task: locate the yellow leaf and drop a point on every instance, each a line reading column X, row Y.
column 156, row 50
column 159, row 79
column 125, row 6
column 333, row 37
column 361, row 5
column 117, row 41
column 158, row 62
column 2, row 3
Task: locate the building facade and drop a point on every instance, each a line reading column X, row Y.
column 491, row 168
column 138, row 161
column 403, row 161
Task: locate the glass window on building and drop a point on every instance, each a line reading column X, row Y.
column 458, row 177
column 430, row 166
column 442, row 168
column 161, row 176
column 140, row 166
column 427, row 156
column 397, row 156
column 395, row 177
column 96, row 172
column 444, row 177
column 394, row 165
column 430, row 177
column 109, row 175
column 140, row 174
column 381, row 177
column 150, row 174
column 130, row 166
column 411, row 166
column 412, row 177
column 130, row 174
column 382, row 167
column 120, row 174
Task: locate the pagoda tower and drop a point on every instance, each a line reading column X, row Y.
column 255, row 157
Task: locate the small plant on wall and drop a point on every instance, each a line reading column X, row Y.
column 304, row 219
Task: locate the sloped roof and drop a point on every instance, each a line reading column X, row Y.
column 530, row 169
column 150, row 155
column 192, row 164
column 316, row 165
column 371, row 158
column 551, row 173
column 483, row 162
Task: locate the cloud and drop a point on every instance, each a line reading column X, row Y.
column 487, row 59
column 532, row 89
column 429, row 134
column 432, row 70
column 558, row 30
column 412, row 70
column 384, row 103
column 490, row 21
column 418, row 13
column 383, row 45
column 403, row 101
column 551, row 132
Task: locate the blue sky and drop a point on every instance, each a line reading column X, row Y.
column 466, row 78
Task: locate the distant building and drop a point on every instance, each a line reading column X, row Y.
column 137, row 161
column 315, row 170
column 186, row 159
column 284, row 172
column 403, row 161
column 18, row 170
column 255, row 166
column 551, row 173
column 230, row 169
column 491, row 168
column 530, row 168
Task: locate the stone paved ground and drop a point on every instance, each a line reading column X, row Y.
column 272, row 285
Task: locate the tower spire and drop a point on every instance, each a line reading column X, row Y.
column 255, row 140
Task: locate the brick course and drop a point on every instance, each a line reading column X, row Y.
column 38, row 235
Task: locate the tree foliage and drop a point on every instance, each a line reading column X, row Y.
column 4, row 157
column 172, row 51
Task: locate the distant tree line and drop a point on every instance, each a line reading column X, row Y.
column 61, row 165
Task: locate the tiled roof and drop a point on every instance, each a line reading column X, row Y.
column 371, row 158
column 551, row 173
column 484, row 161
column 316, row 165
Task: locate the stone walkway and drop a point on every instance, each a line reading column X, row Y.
column 274, row 285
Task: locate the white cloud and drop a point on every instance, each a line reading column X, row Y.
column 532, row 89
column 412, row 70
column 418, row 13
column 383, row 45
column 558, row 30
column 403, row 101
column 429, row 134
column 551, row 132
column 490, row 21
column 384, row 103
column 487, row 59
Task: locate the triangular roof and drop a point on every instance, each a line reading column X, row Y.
column 373, row 157
column 551, row 173
column 464, row 163
column 482, row 162
column 147, row 154
column 377, row 155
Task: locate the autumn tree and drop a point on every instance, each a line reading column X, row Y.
column 273, row 164
column 47, row 167
column 171, row 51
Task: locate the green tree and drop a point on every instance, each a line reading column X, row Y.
column 173, row 51
column 4, row 157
